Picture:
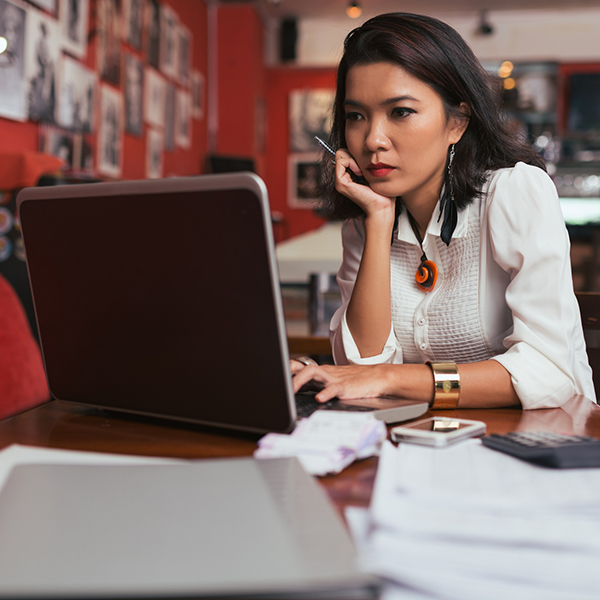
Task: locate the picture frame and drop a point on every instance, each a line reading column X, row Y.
column 155, row 98
column 303, row 180
column 152, row 25
column 108, row 41
column 77, row 89
column 109, row 157
column 73, row 18
column 183, row 119
column 169, row 28
column 197, row 87
column 133, row 87
column 133, row 19
column 13, row 103
column 42, row 57
column 310, row 114
column 154, row 153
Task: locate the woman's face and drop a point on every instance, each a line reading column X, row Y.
column 397, row 131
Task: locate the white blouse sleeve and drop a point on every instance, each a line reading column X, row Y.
column 530, row 243
column 343, row 345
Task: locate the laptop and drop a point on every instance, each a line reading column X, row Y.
column 220, row 528
column 161, row 298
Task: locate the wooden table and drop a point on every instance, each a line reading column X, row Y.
column 62, row 425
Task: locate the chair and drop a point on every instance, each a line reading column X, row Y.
column 22, row 379
column 589, row 305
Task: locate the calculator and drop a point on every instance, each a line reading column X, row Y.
column 558, row 450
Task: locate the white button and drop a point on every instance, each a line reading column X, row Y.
column 423, row 346
column 422, row 321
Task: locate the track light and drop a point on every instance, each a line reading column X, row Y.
column 354, row 10
column 484, row 26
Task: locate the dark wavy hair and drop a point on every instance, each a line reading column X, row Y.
column 433, row 52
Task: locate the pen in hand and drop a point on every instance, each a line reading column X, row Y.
column 356, row 178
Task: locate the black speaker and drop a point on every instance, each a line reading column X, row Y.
column 288, row 39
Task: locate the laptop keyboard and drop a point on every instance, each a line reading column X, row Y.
column 306, row 405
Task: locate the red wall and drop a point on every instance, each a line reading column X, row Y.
column 16, row 136
column 241, row 82
column 280, row 82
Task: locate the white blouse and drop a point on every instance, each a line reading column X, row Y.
column 504, row 291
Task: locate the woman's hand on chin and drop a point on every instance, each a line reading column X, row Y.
column 370, row 201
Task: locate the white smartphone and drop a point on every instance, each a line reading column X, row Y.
column 437, row 431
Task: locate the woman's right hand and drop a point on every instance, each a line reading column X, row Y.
column 362, row 195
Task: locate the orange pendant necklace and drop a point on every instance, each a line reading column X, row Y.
column 427, row 271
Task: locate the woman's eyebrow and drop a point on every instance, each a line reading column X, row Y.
column 350, row 102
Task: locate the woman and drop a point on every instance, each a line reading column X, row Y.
column 472, row 304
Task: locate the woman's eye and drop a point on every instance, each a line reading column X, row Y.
column 353, row 116
column 402, row 112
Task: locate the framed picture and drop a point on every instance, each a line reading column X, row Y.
column 169, row 141
column 134, row 86
column 132, row 23
column 169, row 27
column 310, row 114
column 47, row 5
column 76, row 95
column 184, row 54
column 58, row 142
column 74, row 26
column 304, row 172
column 110, row 132
column 108, row 50
column 155, row 98
column 197, row 88
column 42, row 54
column 13, row 103
column 154, row 154
column 152, row 25
column 183, row 119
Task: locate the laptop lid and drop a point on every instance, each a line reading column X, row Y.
column 218, row 528
column 161, row 298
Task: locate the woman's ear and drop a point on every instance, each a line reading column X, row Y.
column 459, row 121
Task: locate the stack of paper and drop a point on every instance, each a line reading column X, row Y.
column 468, row 522
column 327, row 441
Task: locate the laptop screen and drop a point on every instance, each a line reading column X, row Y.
column 160, row 297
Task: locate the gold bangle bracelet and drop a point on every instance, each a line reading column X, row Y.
column 446, row 382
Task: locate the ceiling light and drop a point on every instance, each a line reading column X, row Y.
column 354, row 10
column 3, row 44
column 484, row 28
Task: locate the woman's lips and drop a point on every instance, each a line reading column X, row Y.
column 380, row 169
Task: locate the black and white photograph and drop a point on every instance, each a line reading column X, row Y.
column 310, row 115
column 48, row 5
column 197, row 89
column 73, row 15
column 58, row 142
column 169, row 27
column 76, row 95
column 42, row 53
column 303, row 180
column 184, row 54
column 155, row 98
column 183, row 119
column 154, row 154
column 169, row 141
column 83, row 155
column 13, row 103
column 153, row 10
column 108, row 55
column 132, row 23
column 110, row 132
column 134, row 86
